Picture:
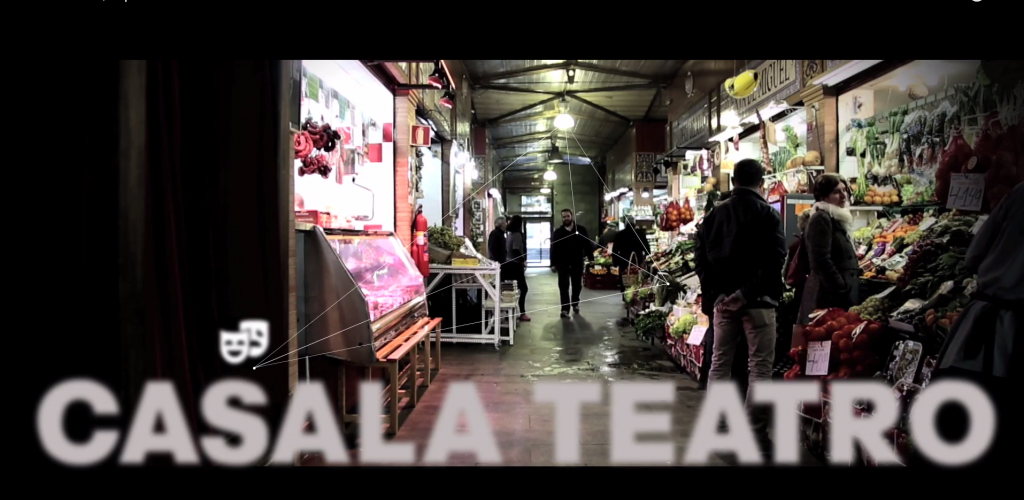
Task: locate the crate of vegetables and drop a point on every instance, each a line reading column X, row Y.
column 854, row 343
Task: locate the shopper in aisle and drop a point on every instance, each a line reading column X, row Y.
column 496, row 245
column 834, row 277
column 570, row 246
column 798, row 266
column 980, row 346
column 515, row 266
column 707, row 307
column 608, row 233
column 741, row 258
column 628, row 241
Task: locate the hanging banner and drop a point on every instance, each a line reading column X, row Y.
column 777, row 79
column 644, row 168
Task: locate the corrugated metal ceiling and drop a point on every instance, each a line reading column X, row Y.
column 595, row 131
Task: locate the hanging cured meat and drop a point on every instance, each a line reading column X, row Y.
column 766, row 157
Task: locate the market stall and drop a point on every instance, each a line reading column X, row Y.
column 465, row 290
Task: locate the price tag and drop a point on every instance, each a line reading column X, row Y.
column 977, row 225
column 966, row 191
column 696, row 335
column 817, row 357
column 927, row 223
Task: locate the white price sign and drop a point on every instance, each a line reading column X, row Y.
column 817, row 357
column 966, row 191
column 696, row 335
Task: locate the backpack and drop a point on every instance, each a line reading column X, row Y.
column 799, row 266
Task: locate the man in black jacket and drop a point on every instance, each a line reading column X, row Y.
column 570, row 244
column 740, row 260
column 496, row 242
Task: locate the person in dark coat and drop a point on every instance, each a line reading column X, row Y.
column 707, row 307
column 496, row 250
column 608, row 233
column 743, row 251
column 632, row 239
column 570, row 246
column 834, row 280
column 515, row 267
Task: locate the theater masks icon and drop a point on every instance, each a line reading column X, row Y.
column 259, row 335
column 234, row 346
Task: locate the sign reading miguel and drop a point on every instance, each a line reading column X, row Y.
column 644, row 168
column 777, row 79
column 692, row 127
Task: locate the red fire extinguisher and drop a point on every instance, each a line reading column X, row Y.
column 420, row 250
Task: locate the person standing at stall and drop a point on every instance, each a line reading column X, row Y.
column 515, row 267
column 607, row 238
column 629, row 241
column 742, row 254
column 496, row 245
column 834, row 279
column 570, row 245
column 981, row 344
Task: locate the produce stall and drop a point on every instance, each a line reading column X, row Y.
column 464, row 290
column 601, row 274
column 917, row 261
column 685, row 328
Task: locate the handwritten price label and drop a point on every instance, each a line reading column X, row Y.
column 817, row 357
column 966, row 192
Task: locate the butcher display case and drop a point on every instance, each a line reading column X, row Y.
column 358, row 290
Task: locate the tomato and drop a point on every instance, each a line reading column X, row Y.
column 853, row 319
column 841, row 322
column 862, row 342
column 837, row 337
column 873, row 329
column 845, row 358
column 861, row 357
column 848, row 330
column 831, row 326
column 846, row 345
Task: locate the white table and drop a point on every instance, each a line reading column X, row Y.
column 484, row 278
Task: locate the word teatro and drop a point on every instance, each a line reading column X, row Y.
column 310, row 405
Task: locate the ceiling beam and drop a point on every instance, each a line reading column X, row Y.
column 561, row 142
column 517, row 90
column 650, row 106
column 602, row 109
column 521, row 110
column 532, row 70
column 551, row 114
column 541, row 135
column 618, row 72
column 616, row 88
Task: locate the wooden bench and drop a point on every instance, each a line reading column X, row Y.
column 416, row 373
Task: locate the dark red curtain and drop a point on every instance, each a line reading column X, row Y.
column 215, row 245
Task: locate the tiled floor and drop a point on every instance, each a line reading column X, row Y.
column 587, row 347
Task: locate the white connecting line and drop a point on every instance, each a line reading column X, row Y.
column 443, row 329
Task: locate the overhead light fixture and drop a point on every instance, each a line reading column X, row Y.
column 555, row 156
column 550, row 175
column 646, row 193
column 545, row 190
column 571, row 74
column 843, row 73
column 448, row 100
column 563, row 121
column 437, row 77
column 494, row 193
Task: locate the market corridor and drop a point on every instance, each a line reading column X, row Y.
column 587, row 347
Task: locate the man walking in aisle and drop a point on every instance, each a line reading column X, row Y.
column 570, row 244
column 742, row 255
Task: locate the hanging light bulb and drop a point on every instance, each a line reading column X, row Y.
column 646, row 193
column 545, row 190
column 563, row 120
column 550, row 175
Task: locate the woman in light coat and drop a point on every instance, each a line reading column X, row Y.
column 835, row 271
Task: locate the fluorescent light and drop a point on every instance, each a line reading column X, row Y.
column 564, row 121
column 646, row 193
column 843, row 73
column 729, row 119
column 545, row 190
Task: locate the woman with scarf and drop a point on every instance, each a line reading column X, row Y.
column 835, row 272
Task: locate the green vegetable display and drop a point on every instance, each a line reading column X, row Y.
column 683, row 326
column 648, row 324
column 444, row 237
column 874, row 308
